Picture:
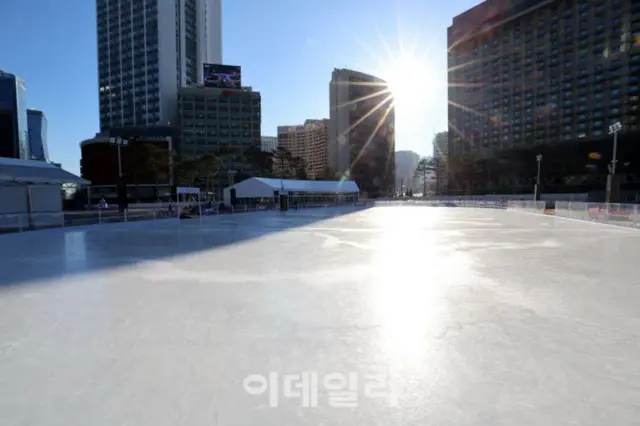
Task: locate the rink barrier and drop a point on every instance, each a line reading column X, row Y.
column 441, row 203
column 95, row 216
column 527, row 206
column 627, row 215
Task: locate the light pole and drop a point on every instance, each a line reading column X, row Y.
column 232, row 178
column 121, row 189
column 118, row 141
column 169, row 140
column 613, row 130
column 536, row 193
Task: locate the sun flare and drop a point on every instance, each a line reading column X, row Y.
column 411, row 81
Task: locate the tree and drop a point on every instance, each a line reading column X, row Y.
column 208, row 167
column 299, row 168
column 261, row 161
column 158, row 160
column 186, row 171
column 425, row 166
column 283, row 160
column 225, row 155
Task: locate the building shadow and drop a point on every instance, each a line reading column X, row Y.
column 48, row 255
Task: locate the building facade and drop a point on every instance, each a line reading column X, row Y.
column 147, row 50
column 406, row 164
column 37, row 124
column 213, row 118
column 362, row 131
column 309, row 142
column 531, row 77
column 145, row 158
column 268, row 143
column 14, row 132
column 441, row 159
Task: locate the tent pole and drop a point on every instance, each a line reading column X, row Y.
column 29, row 208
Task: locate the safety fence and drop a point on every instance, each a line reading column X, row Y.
column 614, row 214
column 527, row 206
column 145, row 212
column 497, row 204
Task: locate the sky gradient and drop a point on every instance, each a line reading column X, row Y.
column 287, row 50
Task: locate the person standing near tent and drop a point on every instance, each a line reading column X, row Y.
column 103, row 204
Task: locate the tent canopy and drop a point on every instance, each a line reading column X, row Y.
column 187, row 190
column 264, row 187
column 15, row 170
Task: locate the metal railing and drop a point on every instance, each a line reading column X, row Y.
column 493, row 204
column 527, row 206
column 146, row 212
column 614, row 214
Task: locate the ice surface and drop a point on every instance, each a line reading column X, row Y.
column 477, row 317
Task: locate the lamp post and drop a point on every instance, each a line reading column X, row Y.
column 536, row 193
column 232, row 178
column 121, row 189
column 613, row 130
column 119, row 142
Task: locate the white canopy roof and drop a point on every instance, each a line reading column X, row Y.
column 264, row 187
column 29, row 171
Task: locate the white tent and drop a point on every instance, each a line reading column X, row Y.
column 264, row 187
column 31, row 193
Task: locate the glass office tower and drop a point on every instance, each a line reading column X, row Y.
column 37, row 124
column 13, row 117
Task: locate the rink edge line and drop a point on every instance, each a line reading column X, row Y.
column 572, row 219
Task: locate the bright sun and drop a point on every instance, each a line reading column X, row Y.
column 411, row 81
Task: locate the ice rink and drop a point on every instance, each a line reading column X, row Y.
column 462, row 317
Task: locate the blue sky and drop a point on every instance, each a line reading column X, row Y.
column 287, row 50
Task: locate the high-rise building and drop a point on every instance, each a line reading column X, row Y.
column 147, row 50
column 308, row 142
column 214, row 118
column 37, row 124
column 268, row 143
column 441, row 159
column 361, row 131
column 406, row 163
column 14, row 133
column 440, row 146
column 531, row 77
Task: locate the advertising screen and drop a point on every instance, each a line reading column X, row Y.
column 222, row 76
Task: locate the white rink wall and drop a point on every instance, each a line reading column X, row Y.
column 614, row 214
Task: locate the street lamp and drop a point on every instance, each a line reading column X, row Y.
column 613, row 130
column 536, row 193
column 120, row 188
column 118, row 141
column 232, row 177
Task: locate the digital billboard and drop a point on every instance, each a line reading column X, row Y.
column 222, row 76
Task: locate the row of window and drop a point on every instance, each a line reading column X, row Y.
column 211, row 131
column 255, row 118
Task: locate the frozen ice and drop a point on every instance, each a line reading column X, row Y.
column 468, row 316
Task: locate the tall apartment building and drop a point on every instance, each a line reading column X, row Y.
column 210, row 118
column 361, row 131
column 441, row 160
column 37, row 125
column 308, row 142
column 268, row 143
column 440, row 146
column 406, row 164
column 548, row 77
column 147, row 50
